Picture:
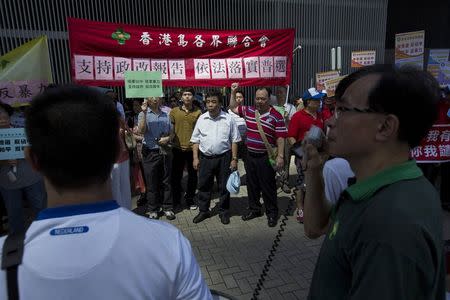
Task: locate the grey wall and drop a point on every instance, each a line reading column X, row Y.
column 320, row 25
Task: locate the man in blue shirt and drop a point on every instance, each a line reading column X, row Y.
column 157, row 129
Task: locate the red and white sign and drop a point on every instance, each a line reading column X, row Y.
column 363, row 58
column 435, row 147
column 101, row 53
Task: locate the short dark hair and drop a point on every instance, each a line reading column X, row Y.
column 268, row 90
column 240, row 91
column 6, row 107
column 408, row 93
column 74, row 135
column 188, row 90
column 215, row 93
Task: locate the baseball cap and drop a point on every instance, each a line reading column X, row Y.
column 313, row 94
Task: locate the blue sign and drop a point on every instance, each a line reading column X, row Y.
column 12, row 143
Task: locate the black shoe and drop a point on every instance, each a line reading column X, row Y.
column 251, row 215
column 203, row 215
column 272, row 222
column 141, row 201
column 224, row 218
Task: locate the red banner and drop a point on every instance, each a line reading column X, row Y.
column 435, row 147
column 102, row 52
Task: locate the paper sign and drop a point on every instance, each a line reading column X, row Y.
column 331, row 85
column 439, row 65
column 177, row 69
column 325, row 76
column 84, row 67
column 235, row 68
column 103, row 68
column 251, row 65
column 409, row 48
column 201, row 69
column 266, row 66
column 162, row 66
column 363, row 58
column 139, row 84
column 141, row 64
column 20, row 92
column 121, row 65
column 280, row 63
column 218, row 68
column 12, row 143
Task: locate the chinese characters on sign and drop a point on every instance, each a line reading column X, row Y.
column 435, row 147
column 12, row 143
column 331, row 85
column 325, row 76
column 409, row 48
column 21, row 92
column 142, row 84
column 102, row 52
column 363, row 58
column 114, row 68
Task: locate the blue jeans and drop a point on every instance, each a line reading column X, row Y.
column 34, row 193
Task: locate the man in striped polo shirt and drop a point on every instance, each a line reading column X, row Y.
column 260, row 172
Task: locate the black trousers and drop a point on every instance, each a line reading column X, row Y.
column 261, row 180
column 180, row 159
column 210, row 167
column 157, row 170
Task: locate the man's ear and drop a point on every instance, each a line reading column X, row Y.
column 31, row 159
column 388, row 128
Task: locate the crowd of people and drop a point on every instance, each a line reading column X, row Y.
column 161, row 138
column 358, row 187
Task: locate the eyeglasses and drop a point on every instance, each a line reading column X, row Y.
column 341, row 109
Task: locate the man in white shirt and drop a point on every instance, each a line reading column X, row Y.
column 336, row 173
column 215, row 134
column 84, row 246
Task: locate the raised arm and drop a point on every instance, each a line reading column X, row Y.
column 233, row 104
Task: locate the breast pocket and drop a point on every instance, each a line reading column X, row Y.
column 224, row 131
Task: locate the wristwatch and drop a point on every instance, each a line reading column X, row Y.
column 235, row 158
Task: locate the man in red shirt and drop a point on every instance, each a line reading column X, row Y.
column 300, row 123
column 328, row 107
column 260, row 171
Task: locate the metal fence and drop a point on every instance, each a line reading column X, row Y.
column 319, row 24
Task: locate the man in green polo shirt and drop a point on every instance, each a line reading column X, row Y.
column 184, row 119
column 384, row 235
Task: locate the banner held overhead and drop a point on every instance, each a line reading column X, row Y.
column 102, row 52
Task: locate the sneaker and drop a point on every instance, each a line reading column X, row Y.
column 193, row 206
column 153, row 215
column 169, row 215
column 299, row 215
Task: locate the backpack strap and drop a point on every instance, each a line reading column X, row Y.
column 11, row 259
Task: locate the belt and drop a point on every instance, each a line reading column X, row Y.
column 256, row 154
column 202, row 155
column 149, row 150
